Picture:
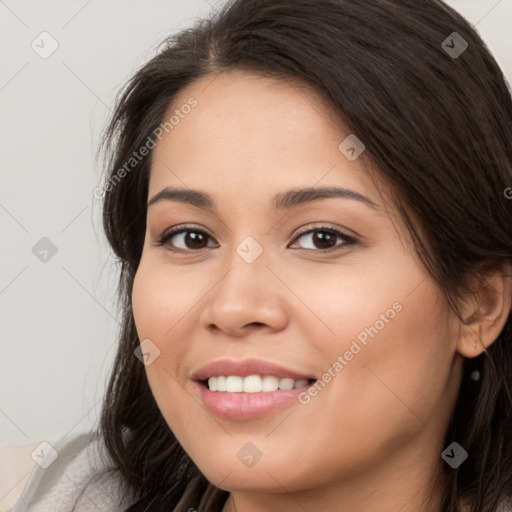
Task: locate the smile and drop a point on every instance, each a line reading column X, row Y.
column 254, row 383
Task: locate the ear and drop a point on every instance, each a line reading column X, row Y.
column 486, row 311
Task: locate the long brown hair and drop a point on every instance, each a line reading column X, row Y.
column 439, row 128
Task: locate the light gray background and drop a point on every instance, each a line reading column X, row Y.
column 58, row 320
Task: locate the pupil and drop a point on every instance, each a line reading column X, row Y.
column 193, row 237
column 321, row 237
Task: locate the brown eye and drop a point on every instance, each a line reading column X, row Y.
column 323, row 239
column 185, row 239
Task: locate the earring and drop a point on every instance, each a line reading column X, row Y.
column 475, row 376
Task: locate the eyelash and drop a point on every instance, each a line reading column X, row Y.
column 348, row 240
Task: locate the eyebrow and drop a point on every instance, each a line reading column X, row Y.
column 283, row 201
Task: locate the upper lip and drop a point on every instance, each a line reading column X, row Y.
column 225, row 367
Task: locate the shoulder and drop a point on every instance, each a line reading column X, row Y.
column 72, row 474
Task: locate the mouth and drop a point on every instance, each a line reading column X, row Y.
column 253, row 383
column 237, row 398
column 250, row 388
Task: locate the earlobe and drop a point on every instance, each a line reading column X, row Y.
column 487, row 312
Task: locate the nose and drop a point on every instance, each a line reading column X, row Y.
column 248, row 296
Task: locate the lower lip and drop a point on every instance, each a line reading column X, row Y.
column 245, row 406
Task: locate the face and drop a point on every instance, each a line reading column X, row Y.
column 329, row 291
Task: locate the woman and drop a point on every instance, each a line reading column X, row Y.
column 309, row 202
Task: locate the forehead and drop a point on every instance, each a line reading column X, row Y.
column 254, row 134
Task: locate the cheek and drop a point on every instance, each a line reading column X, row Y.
column 388, row 388
column 157, row 310
column 396, row 357
column 159, row 300
column 163, row 304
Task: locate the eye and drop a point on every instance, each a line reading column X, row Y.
column 193, row 239
column 324, row 237
column 189, row 238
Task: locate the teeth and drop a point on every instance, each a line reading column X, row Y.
column 286, row 383
column 269, row 383
column 221, row 383
column 234, row 384
column 253, row 384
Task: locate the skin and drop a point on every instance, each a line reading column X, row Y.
column 372, row 438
